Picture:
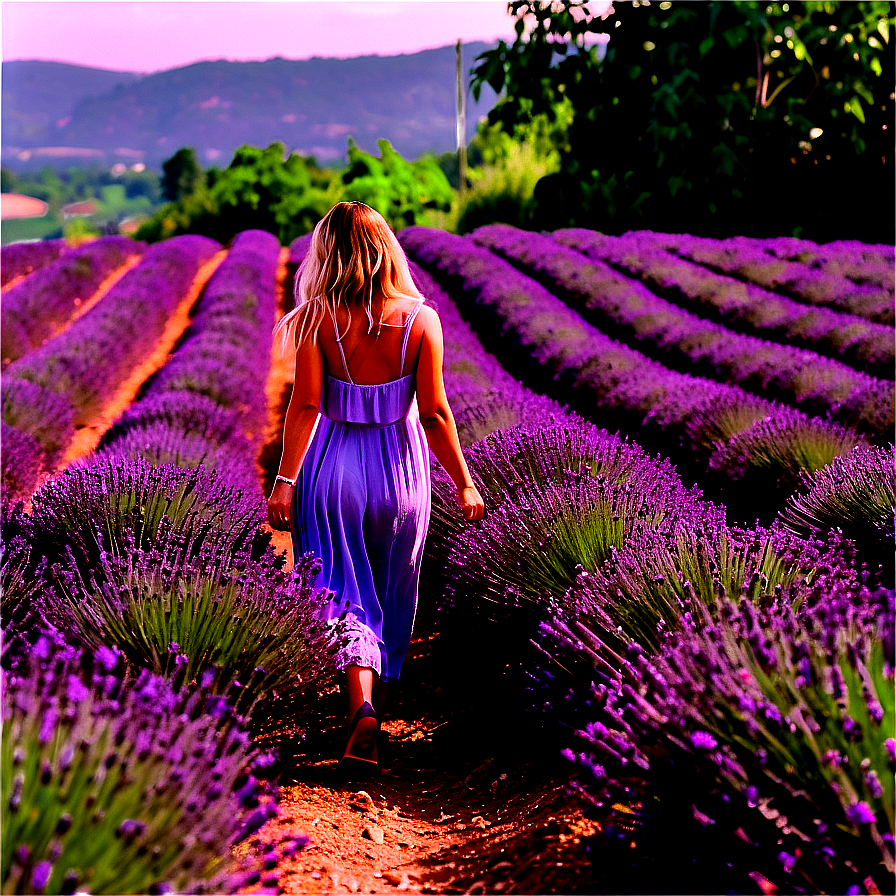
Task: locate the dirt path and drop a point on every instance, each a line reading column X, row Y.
column 444, row 818
column 87, row 437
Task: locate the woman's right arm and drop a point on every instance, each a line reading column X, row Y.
column 436, row 417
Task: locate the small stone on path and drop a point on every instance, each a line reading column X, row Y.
column 372, row 832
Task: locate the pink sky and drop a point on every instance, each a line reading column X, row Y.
column 150, row 35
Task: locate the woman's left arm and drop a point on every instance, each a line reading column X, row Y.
column 298, row 429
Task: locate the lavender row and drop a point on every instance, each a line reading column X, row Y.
column 817, row 286
column 863, row 263
column 739, row 306
column 34, row 310
column 86, row 363
column 549, row 347
column 628, row 311
column 483, row 395
column 21, row 259
column 219, row 371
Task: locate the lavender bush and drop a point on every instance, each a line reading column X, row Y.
column 821, row 285
column 855, row 493
column 188, row 412
column 20, row 259
column 248, row 631
column 116, row 786
column 738, row 305
column 21, row 579
column 788, row 715
column 23, row 459
column 627, row 310
column 558, row 499
column 87, row 362
column 92, row 506
column 770, row 456
column 37, row 308
column 649, row 586
column 160, row 444
column 39, row 413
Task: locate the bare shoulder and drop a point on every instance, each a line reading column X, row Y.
column 428, row 317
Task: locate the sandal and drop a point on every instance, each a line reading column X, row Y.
column 360, row 757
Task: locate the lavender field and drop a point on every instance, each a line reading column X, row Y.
column 683, row 582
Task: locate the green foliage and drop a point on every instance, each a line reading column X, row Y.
column 117, row 194
column 402, row 192
column 742, row 110
column 181, row 175
column 251, row 634
column 502, row 190
column 263, row 189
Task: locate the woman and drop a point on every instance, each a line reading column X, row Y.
column 354, row 478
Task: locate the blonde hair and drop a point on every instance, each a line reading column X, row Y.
column 352, row 249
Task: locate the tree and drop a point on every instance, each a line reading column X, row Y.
column 715, row 117
column 401, row 191
column 182, row 176
column 264, row 189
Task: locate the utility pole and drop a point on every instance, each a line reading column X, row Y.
column 461, row 125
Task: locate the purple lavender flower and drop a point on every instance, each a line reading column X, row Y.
column 107, row 657
column 860, row 813
column 703, row 740
column 130, row 828
column 788, row 861
column 40, row 876
column 21, row 259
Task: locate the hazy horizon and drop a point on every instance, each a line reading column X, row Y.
column 177, row 33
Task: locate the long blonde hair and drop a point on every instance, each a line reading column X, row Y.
column 352, row 250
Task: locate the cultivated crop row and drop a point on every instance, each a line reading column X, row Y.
column 20, row 259
column 159, row 572
column 739, row 306
column 853, row 278
column 38, row 307
column 627, row 310
column 704, row 426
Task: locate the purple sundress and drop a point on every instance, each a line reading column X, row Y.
column 362, row 504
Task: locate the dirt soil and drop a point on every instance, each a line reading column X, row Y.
column 442, row 818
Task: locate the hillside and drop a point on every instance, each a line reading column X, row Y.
column 311, row 105
column 38, row 95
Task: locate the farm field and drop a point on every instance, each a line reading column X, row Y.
column 662, row 662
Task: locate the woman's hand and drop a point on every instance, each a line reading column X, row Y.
column 471, row 502
column 280, row 507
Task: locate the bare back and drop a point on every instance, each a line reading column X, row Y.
column 375, row 357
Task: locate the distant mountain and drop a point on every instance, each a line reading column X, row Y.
column 311, row 105
column 37, row 95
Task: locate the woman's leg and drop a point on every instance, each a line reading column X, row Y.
column 360, row 750
column 360, row 684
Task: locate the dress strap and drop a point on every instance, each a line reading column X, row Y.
column 407, row 332
column 341, row 350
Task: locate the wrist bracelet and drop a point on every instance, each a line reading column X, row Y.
column 279, row 478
